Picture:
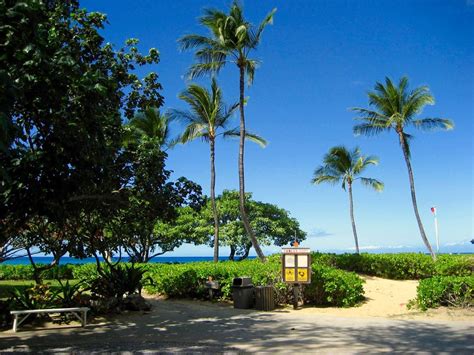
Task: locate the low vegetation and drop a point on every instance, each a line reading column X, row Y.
column 450, row 291
column 403, row 266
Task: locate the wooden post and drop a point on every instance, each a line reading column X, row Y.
column 296, row 295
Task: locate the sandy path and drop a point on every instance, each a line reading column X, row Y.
column 389, row 299
column 204, row 327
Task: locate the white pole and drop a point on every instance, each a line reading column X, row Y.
column 433, row 209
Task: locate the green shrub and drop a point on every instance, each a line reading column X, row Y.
column 122, row 279
column 333, row 287
column 456, row 291
column 404, row 266
column 454, row 265
column 85, row 272
column 25, row 272
column 35, row 297
column 329, row 286
column 188, row 280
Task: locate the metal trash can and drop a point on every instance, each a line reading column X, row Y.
column 264, row 298
column 243, row 293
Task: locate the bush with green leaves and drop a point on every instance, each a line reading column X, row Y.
column 25, row 272
column 188, row 280
column 451, row 291
column 329, row 286
column 35, row 297
column 118, row 281
column 333, row 287
column 86, row 272
column 403, row 266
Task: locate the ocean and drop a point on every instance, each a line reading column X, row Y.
column 69, row 260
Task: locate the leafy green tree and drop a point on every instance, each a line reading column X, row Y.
column 143, row 226
column 395, row 108
column 63, row 92
column 272, row 224
column 208, row 118
column 345, row 166
column 231, row 40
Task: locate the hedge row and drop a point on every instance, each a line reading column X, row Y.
column 393, row 266
column 329, row 286
column 405, row 266
column 451, row 291
column 25, row 272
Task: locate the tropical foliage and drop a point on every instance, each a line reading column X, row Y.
column 231, row 39
column 208, row 119
column 343, row 166
column 394, row 108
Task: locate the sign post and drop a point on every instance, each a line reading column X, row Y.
column 433, row 210
column 296, row 269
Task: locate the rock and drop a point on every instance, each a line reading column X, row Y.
column 136, row 303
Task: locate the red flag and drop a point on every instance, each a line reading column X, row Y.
column 433, row 210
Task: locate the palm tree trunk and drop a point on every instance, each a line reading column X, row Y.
column 351, row 209
column 243, row 213
column 213, row 202
column 413, row 195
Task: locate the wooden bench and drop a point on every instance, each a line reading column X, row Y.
column 82, row 318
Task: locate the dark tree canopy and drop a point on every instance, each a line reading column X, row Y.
column 63, row 92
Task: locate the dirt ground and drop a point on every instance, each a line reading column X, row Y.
column 389, row 299
column 381, row 324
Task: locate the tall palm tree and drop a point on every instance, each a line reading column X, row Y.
column 207, row 119
column 231, row 40
column 150, row 124
column 344, row 166
column 394, row 108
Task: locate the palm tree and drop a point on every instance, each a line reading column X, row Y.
column 394, row 109
column 344, row 166
column 207, row 119
column 152, row 125
column 232, row 38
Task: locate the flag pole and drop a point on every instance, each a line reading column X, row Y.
column 433, row 210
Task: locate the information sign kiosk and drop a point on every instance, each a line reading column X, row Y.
column 296, row 269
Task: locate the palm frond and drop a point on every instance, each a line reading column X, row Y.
column 252, row 137
column 200, row 69
column 321, row 176
column 368, row 129
column 193, row 131
column 373, row 183
column 428, row 124
column 268, row 20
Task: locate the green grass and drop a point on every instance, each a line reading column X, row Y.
column 7, row 286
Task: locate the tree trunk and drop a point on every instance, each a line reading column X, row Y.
column 245, row 255
column 213, row 201
column 243, row 213
column 351, row 209
column 232, row 253
column 413, row 195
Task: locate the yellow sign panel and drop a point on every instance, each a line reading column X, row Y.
column 302, row 274
column 289, row 274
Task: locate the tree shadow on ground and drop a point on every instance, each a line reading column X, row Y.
column 197, row 327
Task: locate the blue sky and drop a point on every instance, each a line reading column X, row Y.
column 318, row 59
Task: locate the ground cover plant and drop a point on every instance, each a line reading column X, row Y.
column 451, row 291
column 403, row 266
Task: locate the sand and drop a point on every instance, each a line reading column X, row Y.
column 389, row 299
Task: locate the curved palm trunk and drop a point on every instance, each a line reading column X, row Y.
column 243, row 213
column 351, row 209
column 213, row 202
column 413, row 195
